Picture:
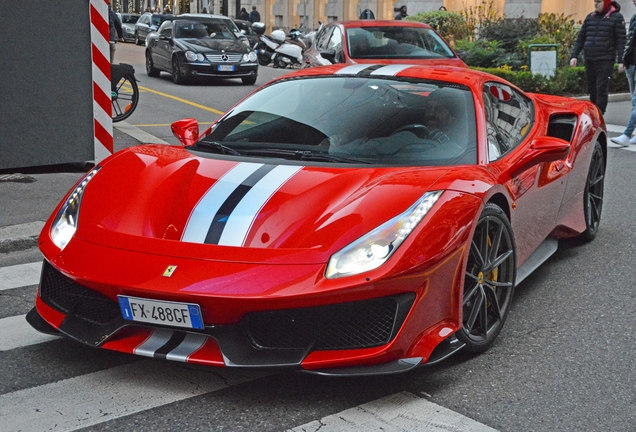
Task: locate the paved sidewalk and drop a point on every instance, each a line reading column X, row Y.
column 30, row 195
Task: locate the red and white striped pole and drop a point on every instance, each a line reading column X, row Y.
column 102, row 103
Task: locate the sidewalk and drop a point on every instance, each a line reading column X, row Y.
column 31, row 194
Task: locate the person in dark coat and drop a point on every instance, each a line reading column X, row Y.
column 629, row 62
column 402, row 13
column 602, row 39
column 243, row 15
column 116, row 32
column 254, row 16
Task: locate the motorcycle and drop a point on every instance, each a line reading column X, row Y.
column 278, row 50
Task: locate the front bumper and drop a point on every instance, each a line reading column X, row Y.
column 274, row 338
column 214, row 70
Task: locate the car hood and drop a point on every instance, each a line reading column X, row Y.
column 208, row 45
column 157, row 193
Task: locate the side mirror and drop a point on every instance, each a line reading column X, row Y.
column 186, row 130
column 329, row 55
column 542, row 149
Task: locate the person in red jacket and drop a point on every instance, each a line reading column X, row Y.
column 602, row 39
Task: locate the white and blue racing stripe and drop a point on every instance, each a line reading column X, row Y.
column 227, row 210
column 170, row 345
column 353, row 69
column 391, row 70
column 241, row 219
column 366, row 70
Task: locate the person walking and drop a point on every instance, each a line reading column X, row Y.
column 115, row 30
column 402, row 13
column 602, row 39
column 254, row 16
column 243, row 15
column 629, row 62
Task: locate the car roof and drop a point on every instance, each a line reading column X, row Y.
column 191, row 15
column 451, row 74
column 380, row 23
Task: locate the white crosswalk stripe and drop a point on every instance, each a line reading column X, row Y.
column 20, row 275
column 401, row 412
column 94, row 398
column 15, row 332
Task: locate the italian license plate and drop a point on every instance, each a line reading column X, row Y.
column 226, row 68
column 161, row 312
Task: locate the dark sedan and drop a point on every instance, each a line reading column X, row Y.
column 128, row 21
column 192, row 49
column 148, row 23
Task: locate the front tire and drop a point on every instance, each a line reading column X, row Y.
column 177, row 78
column 264, row 58
column 250, row 80
column 151, row 70
column 489, row 280
column 593, row 194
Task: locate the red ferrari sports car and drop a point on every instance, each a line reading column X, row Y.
column 342, row 220
column 377, row 41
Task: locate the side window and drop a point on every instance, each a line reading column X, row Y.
column 509, row 118
column 323, row 38
column 335, row 43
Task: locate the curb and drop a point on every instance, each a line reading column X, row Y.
column 613, row 97
column 20, row 237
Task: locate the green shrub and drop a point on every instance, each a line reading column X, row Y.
column 508, row 32
column 480, row 53
column 450, row 25
column 567, row 81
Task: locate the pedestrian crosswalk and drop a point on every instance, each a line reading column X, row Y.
column 90, row 398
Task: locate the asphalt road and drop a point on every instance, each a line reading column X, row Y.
column 565, row 360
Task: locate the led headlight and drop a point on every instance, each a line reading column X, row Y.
column 376, row 247
column 65, row 222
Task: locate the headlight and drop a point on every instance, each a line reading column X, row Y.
column 253, row 56
column 65, row 223
column 246, row 57
column 192, row 56
column 376, row 247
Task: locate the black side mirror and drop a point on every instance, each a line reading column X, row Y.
column 329, row 55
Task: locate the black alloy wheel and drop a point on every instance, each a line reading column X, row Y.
column 489, row 280
column 151, row 70
column 593, row 194
column 177, row 78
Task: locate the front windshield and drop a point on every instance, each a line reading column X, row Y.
column 189, row 30
column 374, row 121
column 129, row 19
column 396, row 42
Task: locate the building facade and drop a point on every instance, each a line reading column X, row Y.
column 287, row 14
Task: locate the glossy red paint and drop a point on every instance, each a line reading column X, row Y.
column 135, row 211
column 344, row 26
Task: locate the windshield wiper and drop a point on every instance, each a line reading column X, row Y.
column 221, row 148
column 309, row 155
column 304, row 155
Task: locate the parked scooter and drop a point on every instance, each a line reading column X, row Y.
column 276, row 49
